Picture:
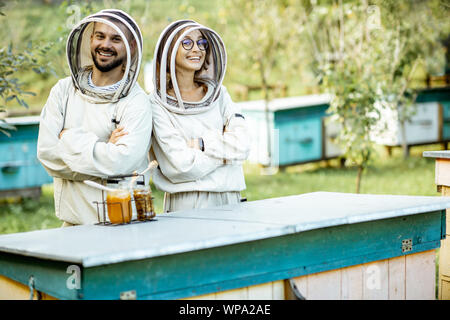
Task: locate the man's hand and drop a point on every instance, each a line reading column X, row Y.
column 61, row 133
column 117, row 134
column 193, row 143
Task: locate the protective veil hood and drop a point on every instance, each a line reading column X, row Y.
column 80, row 58
column 164, row 73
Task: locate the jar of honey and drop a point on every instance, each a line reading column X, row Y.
column 144, row 203
column 119, row 205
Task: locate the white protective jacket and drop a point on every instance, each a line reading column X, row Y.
column 83, row 152
column 215, row 119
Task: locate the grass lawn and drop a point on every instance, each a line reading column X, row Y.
column 386, row 175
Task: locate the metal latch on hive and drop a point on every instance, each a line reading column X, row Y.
column 128, row 295
column 406, row 245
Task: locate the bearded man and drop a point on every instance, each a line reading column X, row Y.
column 96, row 123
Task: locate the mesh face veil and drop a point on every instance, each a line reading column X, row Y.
column 164, row 69
column 80, row 58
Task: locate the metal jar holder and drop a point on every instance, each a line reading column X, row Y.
column 102, row 205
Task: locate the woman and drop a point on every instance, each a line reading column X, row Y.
column 200, row 136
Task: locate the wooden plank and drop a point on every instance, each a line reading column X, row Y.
column 444, row 252
column 420, row 276
column 13, row 290
column 379, row 280
column 267, row 291
column 352, row 283
column 397, row 278
column 376, row 284
column 237, row 294
column 278, row 290
column 446, row 193
column 442, row 172
column 444, row 257
column 324, row 286
column 260, row 292
column 444, row 293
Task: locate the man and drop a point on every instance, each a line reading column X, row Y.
column 76, row 140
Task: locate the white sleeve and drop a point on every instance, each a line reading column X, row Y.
column 83, row 151
column 233, row 143
column 50, row 125
column 177, row 161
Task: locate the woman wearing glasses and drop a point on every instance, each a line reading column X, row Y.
column 200, row 136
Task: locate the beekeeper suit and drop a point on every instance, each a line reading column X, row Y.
column 211, row 175
column 87, row 114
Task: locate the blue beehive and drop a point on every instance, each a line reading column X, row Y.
column 442, row 97
column 20, row 171
column 298, row 130
column 430, row 124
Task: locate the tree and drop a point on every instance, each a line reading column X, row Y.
column 412, row 34
column 366, row 55
column 345, row 54
column 266, row 44
column 11, row 88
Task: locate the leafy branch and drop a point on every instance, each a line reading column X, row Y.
column 11, row 65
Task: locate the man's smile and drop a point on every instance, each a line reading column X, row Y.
column 105, row 54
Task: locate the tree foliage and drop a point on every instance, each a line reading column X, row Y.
column 11, row 62
column 266, row 45
column 366, row 55
column 412, row 32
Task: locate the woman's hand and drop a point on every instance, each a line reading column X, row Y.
column 117, row 134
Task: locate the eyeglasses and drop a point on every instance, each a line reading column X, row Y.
column 188, row 44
